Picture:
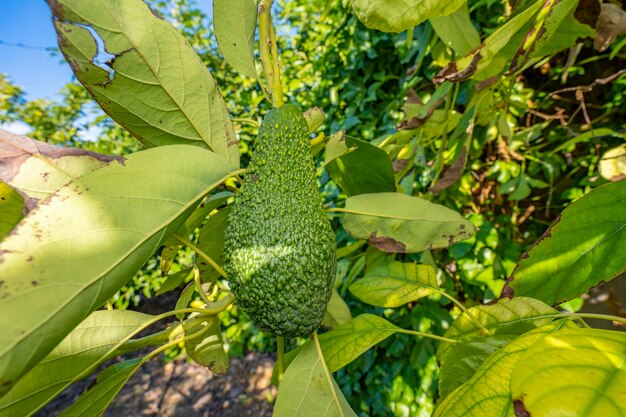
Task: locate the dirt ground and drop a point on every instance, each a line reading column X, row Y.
column 184, row 389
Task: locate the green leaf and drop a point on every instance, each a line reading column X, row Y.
column 582, row 248
column 481, row 58
column 396, row 222
column 487, row 393
column 337, row 312
column 174, row 281
column 211, row 242
column 347, row 342
column 397, row 16
column 168, row 254
column 96, row 400
column 508, row 316
column 156, row 86
column 362, row 168
column 574, row 372
column 69, row 256
column 308, row 390
column 208, row 349
column 204, row 209
column 315, row 118
column 235, row 23
column 12, row 209
column 549, row 18
column 461, row 361
column 37, row 169
column 395, row 284
column 457, row 31
column 83, row 350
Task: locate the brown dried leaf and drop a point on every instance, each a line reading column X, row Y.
column 36, row 169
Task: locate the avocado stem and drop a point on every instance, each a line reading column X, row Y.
column 201, row 254
column 280, row 350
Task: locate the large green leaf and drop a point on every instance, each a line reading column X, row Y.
column 156, row 86
column 11, row 207
column 84, row 349
column 347, row 342
column 394, row 284
column 396, row 222
column 487, row 393
column 67, row 257
column 309, row 390
column 359, row 167
column 481, row 58
column 37, row 169
column 397, row 16
column 574, row 372
column 95, row 401
column 512, row 317
column 457, row 31
column 235, row 22
column 585, row 246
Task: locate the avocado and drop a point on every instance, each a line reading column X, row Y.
column 279, row 247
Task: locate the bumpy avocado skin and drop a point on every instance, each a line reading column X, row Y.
column 279, row 246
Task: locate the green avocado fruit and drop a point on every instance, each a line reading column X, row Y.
column 279, row 246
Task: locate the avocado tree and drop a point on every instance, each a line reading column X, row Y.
column 77, row 225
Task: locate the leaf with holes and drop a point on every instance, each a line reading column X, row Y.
column 71, row 254
column 581, row 249
column 574, row 372
column 155, row 86
column 396, row 222
column 395, row 283
column 309, row 390
column 37, row 169
column 84, row 349
column 397, row 16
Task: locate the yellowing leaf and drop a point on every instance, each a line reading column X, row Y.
column 37, row 169
column 397, row 16
column 574, row 372
column 394, row 284
column 70, row 255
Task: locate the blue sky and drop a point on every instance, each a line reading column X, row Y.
column 28, row 22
